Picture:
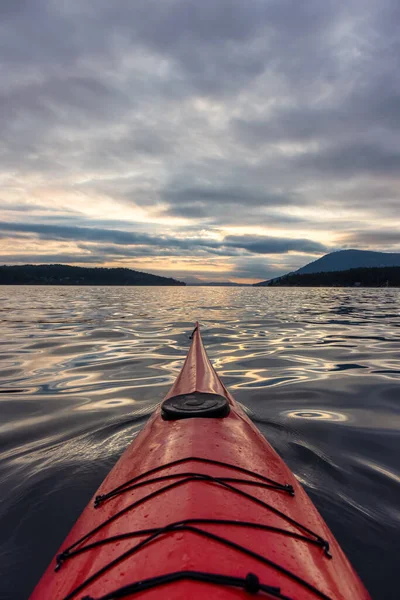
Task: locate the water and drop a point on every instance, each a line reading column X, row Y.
column 81, row 369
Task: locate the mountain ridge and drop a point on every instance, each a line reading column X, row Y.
column 372, row 277
column 344, row 260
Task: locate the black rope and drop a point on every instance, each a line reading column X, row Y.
column 282, row 486
column 102, row 498
column 250, row 584
column 206, row 479
column 61, row 558
column 189, row 524
column 193, row 332
column 205, row 534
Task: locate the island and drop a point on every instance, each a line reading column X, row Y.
column 362, row 277
column 71, row 275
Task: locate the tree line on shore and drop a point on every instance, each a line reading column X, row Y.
column 70, row 275
column 362, row 277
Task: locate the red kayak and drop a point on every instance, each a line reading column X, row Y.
column 200, row 506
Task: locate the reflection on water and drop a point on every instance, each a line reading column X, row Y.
column 81, row 369
column 317, row 415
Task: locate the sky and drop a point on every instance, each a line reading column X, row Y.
column 228, row 140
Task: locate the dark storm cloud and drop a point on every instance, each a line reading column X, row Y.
column 161, row 248
column 65, row 232
column 117, row 237
column 269, row 245
column 149, row 245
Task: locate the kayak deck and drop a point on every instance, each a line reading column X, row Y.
column 200, row 507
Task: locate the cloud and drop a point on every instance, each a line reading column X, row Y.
column 49, row 259
column 130, row 243
column 277, row 116
column 269, row 245
column 226, row 200
column 381, row 238
column 67, row 232
column 352, row 159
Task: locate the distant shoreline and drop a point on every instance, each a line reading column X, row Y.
column 66, row 275
column 366, row 277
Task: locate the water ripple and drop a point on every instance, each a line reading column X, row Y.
column 81, row 369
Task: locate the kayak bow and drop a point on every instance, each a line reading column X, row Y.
column 200, row 505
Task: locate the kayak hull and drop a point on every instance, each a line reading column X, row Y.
column 209, row 495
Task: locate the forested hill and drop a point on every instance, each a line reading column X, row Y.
column 365, row 277
column 343, row 260
column 68, row 275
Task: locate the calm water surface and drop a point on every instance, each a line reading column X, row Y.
column 81, row 369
